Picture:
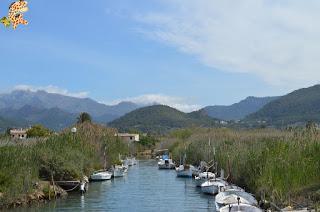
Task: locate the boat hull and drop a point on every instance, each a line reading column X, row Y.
column 185, row 172
column 203, row 177
column 238, row 207
column 101, row 176
column 213, row 187
column 166, row 164
column 211, row 190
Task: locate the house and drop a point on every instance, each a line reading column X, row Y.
column 128, row 137
column 18, row 133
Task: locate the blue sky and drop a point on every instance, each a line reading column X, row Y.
column 182, row 53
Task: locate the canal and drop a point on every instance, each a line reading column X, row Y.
column 145, row 188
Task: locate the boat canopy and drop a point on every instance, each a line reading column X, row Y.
column 165, row 157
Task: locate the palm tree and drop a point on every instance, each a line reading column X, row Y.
column 84, row 117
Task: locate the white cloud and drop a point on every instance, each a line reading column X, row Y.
column 151, row 99
column 51, row 89
column 275, row 40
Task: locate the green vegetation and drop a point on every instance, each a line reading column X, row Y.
column 84, row 117
column 148, row 141
column 38, row 131
column 299, row 106
column 160, row 119
column 283, row 165
column 61, row 157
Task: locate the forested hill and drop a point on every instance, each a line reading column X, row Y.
column 300, row 106
column 161, row 119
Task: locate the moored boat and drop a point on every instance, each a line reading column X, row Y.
column 119, row 171
column 166, row 163
column 100, row 176
column 69, row 186
column 185, row 170
column 213, row 186
column 203, row 177
column 234, row 197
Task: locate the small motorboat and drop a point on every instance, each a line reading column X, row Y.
column 239, row 207
column 119, row 171
column 100, row 176
column 203, row 177
column 166, row 163
column 213, row 186
column 234, row 197
column 130, row 161
column 185, row 170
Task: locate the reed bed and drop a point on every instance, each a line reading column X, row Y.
column 283, row 166
column 61, row 157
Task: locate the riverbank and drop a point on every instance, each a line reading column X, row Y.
column 60, row 157
column 280, row 166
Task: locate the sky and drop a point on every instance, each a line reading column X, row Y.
column 183, row 53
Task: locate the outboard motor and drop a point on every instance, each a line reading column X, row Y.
column 83, row 188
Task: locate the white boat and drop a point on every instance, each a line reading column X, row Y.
column 130, row 161
column 166, row 163
column 234, row 197
column 119, row 171
column 240, row 207
column 101, row 176
column 185, row 170
column 203, row 177
column 213, row 186
column 232, row 188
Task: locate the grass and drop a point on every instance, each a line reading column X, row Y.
column 278, row 164
column 63, row 157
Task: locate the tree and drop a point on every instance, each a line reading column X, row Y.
column 38, row 131
column 84, row 117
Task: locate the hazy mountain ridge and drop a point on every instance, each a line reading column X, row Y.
column 238, row 110
column 19, row 98
column 20, row 106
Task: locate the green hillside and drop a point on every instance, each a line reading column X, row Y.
column 300, row 106
column 161, row 119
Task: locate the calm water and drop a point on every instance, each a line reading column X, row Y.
column 144, row 189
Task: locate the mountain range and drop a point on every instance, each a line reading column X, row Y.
column 238, row 110
column 23, row 108
column 55, row 111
